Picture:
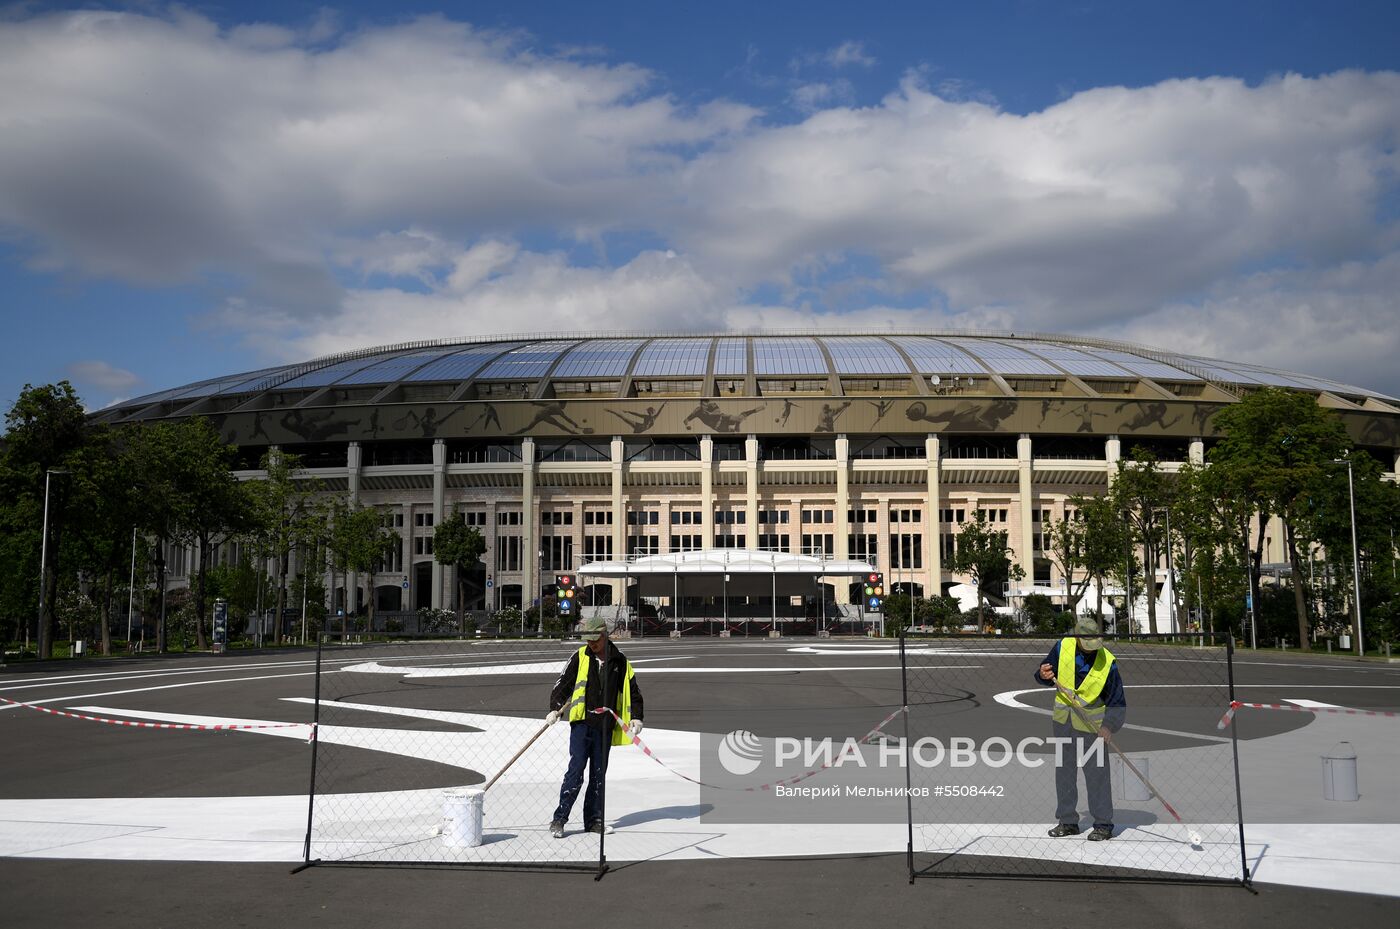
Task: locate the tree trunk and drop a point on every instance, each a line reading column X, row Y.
column 369, row 601
column 461, row 600
column 1149, row 563
column 281, row 597
column 105, row 630
column 199, row 641
column 1300, row 592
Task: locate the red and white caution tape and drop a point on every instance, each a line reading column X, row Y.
column 145, row 725
column 1340, row 710
column 782, row 782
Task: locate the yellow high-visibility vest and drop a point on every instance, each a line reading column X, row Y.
column 578, row 710
column 1088, row 691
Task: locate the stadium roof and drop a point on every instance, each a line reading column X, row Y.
column 580, row 357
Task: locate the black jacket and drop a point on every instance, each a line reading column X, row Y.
column 617, row 671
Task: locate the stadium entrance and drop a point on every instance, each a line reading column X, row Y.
column 732, row 592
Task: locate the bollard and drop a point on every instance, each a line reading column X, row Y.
column 1339, row 781
column 1329, row 646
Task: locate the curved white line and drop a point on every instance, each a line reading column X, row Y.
column 1008, row 698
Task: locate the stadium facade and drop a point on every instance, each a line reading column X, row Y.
column 636, row 448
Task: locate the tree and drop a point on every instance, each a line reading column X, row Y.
column 457, row 544
column 1277, row 453
column 285, row 516
column 359, row 541
column 45, row 429
column 1140, row 493
column 982, row 555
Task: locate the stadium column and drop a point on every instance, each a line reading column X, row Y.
column 1025, row 552
column 618, row 457
column 410, row 600
column 529, row 556
column 933, row 519
column 1196, row 451
column 843, row 507
column 707, row 492
column 352, row 475
column 439, row 497
column 1112, row 452
column 751, row 492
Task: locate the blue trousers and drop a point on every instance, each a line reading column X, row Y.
column 1096, row 780
column 588, row 745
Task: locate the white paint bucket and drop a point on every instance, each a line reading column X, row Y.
column 462, row 810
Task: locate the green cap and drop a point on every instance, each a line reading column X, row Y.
column 593, row 627
column 1086, row 630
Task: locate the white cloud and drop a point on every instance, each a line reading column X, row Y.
column 103, row 375
column 848, row 53
column 411, row 181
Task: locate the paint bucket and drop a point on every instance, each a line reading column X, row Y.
column 462, row 812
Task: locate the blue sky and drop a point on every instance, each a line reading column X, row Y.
column 188, row 191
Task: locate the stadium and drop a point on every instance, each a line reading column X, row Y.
column 696, row 479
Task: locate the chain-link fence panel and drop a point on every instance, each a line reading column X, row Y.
column 436, row 751
column 1028, row 757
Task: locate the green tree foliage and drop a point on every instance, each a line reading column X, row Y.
column 1141, row 492
column 983, row 555
column 1278, row 454
column 461, row 546
column 359, row 541
column 286, row 515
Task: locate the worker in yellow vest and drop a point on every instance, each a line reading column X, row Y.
column 1084, row 668
column 576, row 695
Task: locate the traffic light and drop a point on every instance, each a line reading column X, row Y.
column 566, row 594
column 874, row 592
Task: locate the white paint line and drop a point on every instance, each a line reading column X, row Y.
column 1008, row 698
column 1311, row 704
column 137, row 690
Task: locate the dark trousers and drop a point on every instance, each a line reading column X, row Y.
column 588, row 745
column 1095, row 778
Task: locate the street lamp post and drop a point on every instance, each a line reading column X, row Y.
column 39, row 638
column 1355, row 555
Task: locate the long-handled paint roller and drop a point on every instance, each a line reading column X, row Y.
column 1078, row 708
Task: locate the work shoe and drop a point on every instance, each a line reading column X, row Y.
column 1101, row 834
column 600, row 828
column 556, row 829
column 1062, row 830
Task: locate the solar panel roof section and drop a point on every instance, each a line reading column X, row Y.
column 1005, row 358
column 732, row 357
column 667, row 357
column 532, row 359
column 932, row 356
column 460, row 365
column 1147, row 367
column 788, row 356
column 1075, row 361
column 322, row 377
column 599, row 358
column 391, row 369
column 864, row 355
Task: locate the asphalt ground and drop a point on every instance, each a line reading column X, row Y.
column 51, row 757
column 804, row 694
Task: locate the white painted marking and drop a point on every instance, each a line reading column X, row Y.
column 1311, row 704
column 1008, row 698
column 138, row 690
